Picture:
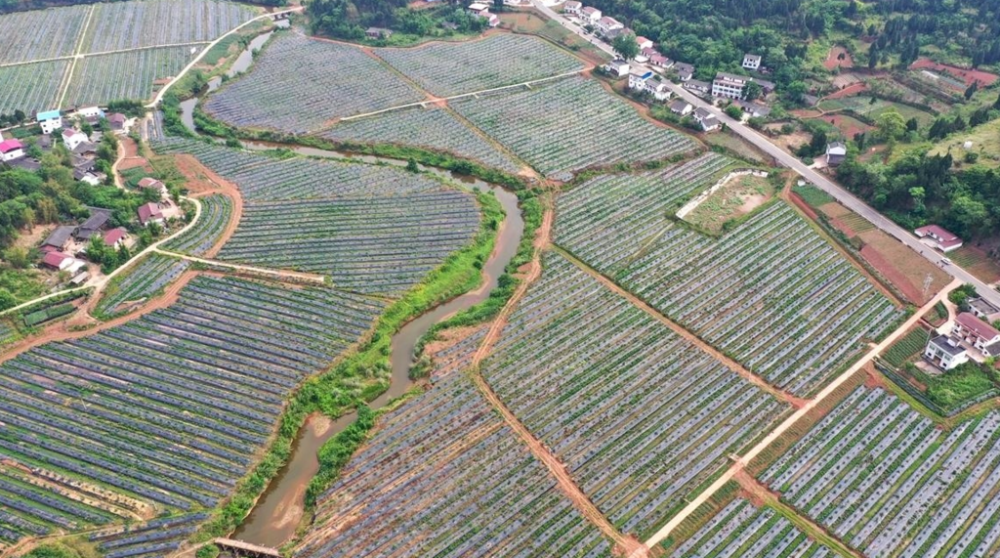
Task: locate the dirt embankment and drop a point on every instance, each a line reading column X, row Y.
column 201, row 182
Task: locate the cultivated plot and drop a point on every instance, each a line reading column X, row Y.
column 444, row 476
column 888, row 482
column 741, row 529
column 447, row 69
column 434, row 128
column 216, row 211
column 40, row 34
column 570, row 125
column 128, row 75
column 297, row 84
column 140, row 281
column 156, row 537
column 639, row 416
column 31, row 87
column 165, row 412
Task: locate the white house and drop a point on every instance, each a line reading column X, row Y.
column 644, row 43
column 617, row 67
column 94, row 178
column 590, row 16
column 751, row 61
column 50, row 121
column 658, row 90
column 975, row 332
column 607, row 24
column 944, row 352
column 11, row 149
column 58, row 261
column 73, row 138
column 658, row 60
column 637, row 79
column 90, row 114
column 707, row 120
column 729, row 85
column 982, row 308
column 116, row 238
column 681, row 107
column 479, row 9
column 836, row 152
column 939, row 237
column 684, row 71
column 572, row 7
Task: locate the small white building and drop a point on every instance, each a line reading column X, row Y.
column 706, row 119
column 90, row 113
column 607, row 24
column 836, row 152
column 945, row 353
column 149, row 183
column 637, row 79
column 116, row 238
column 479, row 9
column 729, row 86
column 643, row 43
column 94, row 178
column 50, row 121
column 751, row 61
column 681, row 107
column 939, row 237
column 617, row 67
column 658, row 90
column 572, row 7
column 590, row 16
column 73, row 138
column 11, row 149
column 684, row 71
column 150, row 213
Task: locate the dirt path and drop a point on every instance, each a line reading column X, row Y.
column 298, row 276
column 192, row 169
column 736, row 367
column 788, row 423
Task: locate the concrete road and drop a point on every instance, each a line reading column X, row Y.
column 788, row 160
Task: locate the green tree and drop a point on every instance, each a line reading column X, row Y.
column 971, row 90
column 753, row 91
column 7, row 300
column 996, row 104
column 734, row 112
column 411, row 165
column 625, row 46
column 891, row 125
column 18, row 257
column 918, row 193
column 912, row 125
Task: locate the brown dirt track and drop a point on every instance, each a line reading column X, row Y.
column 202, row 181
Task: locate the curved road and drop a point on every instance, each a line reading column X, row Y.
column 786, row 159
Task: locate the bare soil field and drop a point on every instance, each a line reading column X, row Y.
column 967, row 75
column 838, row 56
column 848, row 90
column 848, row 125
column 900, row 265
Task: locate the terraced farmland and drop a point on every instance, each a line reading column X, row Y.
column 434, row 128
column 570, row 125
column 448, row 69
column 127, row 25
column 144, row 279
column 31, row 87
column 216, row 210
column 372, row 245
column 444, row 476
column 167, row 411
column 128, row 75
column 740, row 529
column 156, row 537
column 887, row 482
column 297, row 84
column 639, row 416
column 40, row 34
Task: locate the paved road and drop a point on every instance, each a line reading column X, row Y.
column 786, row 159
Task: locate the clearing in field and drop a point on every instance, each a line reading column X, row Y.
column 534, row 24
column 297, row 84
column 985, row 140
column 847, row 125
column 886, row 481
column 569, row 125
column 448, row 69
column 838, row 58
column 737, row 195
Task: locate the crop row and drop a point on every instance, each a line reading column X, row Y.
column 570, row 125
column 166, row 534
column 127, row 75
column 447, row 69
column 298, row 83
column 907, row 347
column 381, row 245
column 773, row 295
column 216, row 211
column 433, row 128
column 7, row 333
column 40, row 34
column 125, row 25
column 740, row 529
column 881, row 477
column 170, row 408
column 638, row 415
column 143, row 280
column 443, row 476
column 260, row 177
column 617, row 209
column 31, row 87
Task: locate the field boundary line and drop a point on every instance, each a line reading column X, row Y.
column 716, row 354
column 299, row 275
column 68, row 76
column 799, row 414
column 104, row 53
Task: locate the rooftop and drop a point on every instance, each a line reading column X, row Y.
column 48, row 115
column 937, row 231
column 54, row 258
column 10, row 145
column 114, row 235
column 59, row 236
column 983, row 306
column 978, row 327
column 947, row 345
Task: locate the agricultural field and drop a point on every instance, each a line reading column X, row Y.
column 742, row 529
column 639, row 416
column 570, row 125
column 8, row 334
column 449, row 69
column 298, row 84
column 31, row 87
column 166, row 412
column 158, row 536
column 40, row 34
column 886, row 481
column 129, row 75
column 142, row 280
column 907, row 347
column 216, row 210
column 433, row 128
column 863, row 105
column 129, row 25
column 444, row 476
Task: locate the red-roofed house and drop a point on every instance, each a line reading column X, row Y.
column 118, row 121
column 975, row 332
column 150, row 213
column 644, row 43
column 57, row 260
column 939, row 238
column 115, row 237
column 11, row 149
column 152, row 183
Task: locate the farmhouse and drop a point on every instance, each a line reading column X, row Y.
column 684, row 71
column 697, row 86
column 755, row 110
column 660, row 61
column 11, row 149
column 751, row 61
column 707, row 120
column 152, row 183
column 572, row 7
column 637, row 79
column 643, row 43
column 590, row 16
column 118, row 121
column 836, row 152
column 97, row 220
column 479, row 9
column 939, row 238
column 150, row 213
column 617, row 67
column 376, row 33
column 984, row 309
column 682, row 108
column 50, row 121
column 606, row 25
column 975, row 332
column 73, row 138
column 94, row 178
column 116, row 238
column 945, row 353
column 729, row 85
column 57, row 261
column 658, row 90
column 57, row 239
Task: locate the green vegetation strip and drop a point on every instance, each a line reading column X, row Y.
column 906, row 348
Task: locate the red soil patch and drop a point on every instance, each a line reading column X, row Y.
column 967, row 75
column 848, row 91
column 842, row 227
column 896, row 277
column 801, row 204
column 833, row 59
column 872, row 379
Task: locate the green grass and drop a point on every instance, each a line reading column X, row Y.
column 956, row 388
column 985, row 142
column 813, row 195
column 907, row 347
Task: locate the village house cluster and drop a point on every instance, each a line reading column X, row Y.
column 971, row 337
